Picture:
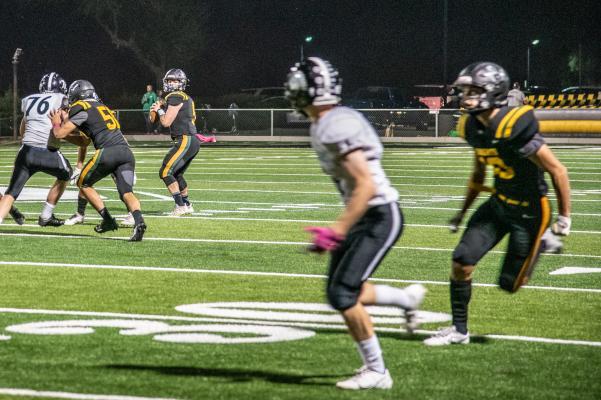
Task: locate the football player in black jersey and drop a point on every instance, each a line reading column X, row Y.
column 112, row 157
column 179, row 116
column 508, row 140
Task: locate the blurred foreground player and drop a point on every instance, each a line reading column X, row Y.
column 508, row 140
column 349, row 151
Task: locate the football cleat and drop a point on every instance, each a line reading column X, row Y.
column 52, row 221
column 551, row 243
column 138, row 232
column 106, row 225
column 179, row 211
column 447, row 336
column 17, row 216
column 128, row 220
column 189, row 209
column 365, row 378
column 75, row 219
column 417, row 293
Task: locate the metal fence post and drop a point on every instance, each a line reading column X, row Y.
column 271, row 112
column 436, row 123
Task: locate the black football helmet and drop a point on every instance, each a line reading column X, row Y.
column 81, row 90
column 53, row 83
column 488, row 76
column 175, row 74
column 313, row 82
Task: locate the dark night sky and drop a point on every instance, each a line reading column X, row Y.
column 252, row 43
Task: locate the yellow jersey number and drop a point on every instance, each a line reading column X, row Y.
column 491, row 157
column 108, row 117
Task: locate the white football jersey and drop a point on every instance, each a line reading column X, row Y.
column 341, row 131
column 38, row 127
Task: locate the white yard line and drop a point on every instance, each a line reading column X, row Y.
column 266, row 242
column 243, row 219
column 71, row 395
column 260, row 273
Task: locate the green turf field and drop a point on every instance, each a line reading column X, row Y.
column 85, row 314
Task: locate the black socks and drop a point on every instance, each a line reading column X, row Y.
column 461, row 293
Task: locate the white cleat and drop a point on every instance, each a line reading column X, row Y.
column 74, row 219
column 367, row 379
column 550, row 243
column 417, row 293
column 447, row 336
column 128, row 221
column 189, row 209
column 178, row 211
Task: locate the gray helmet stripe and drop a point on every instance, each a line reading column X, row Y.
column 49, row 84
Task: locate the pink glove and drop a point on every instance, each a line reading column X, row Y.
column 324, row 239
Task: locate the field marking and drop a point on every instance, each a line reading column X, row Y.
column 268, row 242
column 260, row 273
column 71, row 395
column 206, row 216
column 295, row 324
column 575, row 270
column 232, row 241
column 200, row 216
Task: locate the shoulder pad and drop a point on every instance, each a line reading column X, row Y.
column 520, row 121
column 461, row 124
column 80, row 105
column 178, row 93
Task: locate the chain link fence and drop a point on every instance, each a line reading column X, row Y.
column 287, row 122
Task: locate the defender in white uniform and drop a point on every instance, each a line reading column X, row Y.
column 40, row 149
column 350, row 152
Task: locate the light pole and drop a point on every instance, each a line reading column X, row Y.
column 308, row 39
column 15, row 62
column 533, row 43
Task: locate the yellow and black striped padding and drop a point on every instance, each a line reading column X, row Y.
column 591, row 100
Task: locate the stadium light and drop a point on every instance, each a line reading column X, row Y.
column 532, row 44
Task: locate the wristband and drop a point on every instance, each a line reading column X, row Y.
column 161, row 112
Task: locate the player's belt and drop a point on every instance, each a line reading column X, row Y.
column 511, row 201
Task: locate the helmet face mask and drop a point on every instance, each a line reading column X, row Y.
column 313, row 82
column 53, row 83
column 482, row 86
column 82, row 90
column 175, row 79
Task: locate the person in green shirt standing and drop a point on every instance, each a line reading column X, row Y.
column 149, row 98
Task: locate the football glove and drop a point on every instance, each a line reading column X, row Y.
column 74, row 176
column 455, row 222
column 562, row 225
column 324, row 239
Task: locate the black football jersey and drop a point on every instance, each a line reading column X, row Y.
column 186, row 116
column 97, row 121
column 511, row 137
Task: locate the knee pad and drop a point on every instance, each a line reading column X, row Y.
column 182, row 183
column 169, row 179
column 463, row 256
column 342, row 297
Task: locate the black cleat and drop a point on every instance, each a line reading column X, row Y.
column 138, row 233
column 17, row 216
column 106, row 225
column 52, row 221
